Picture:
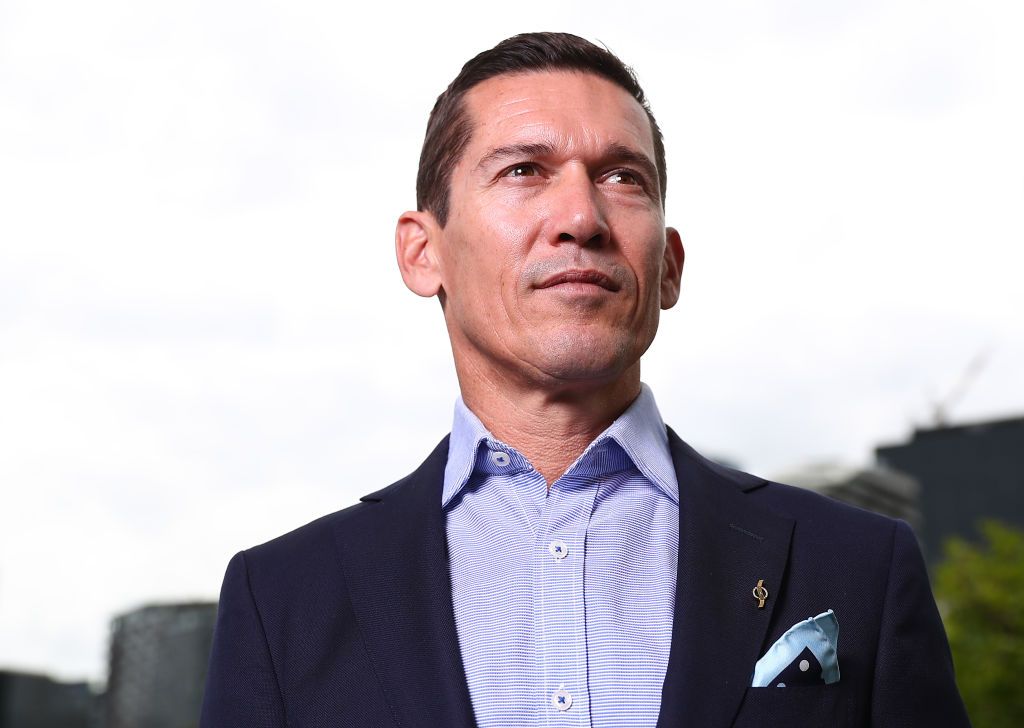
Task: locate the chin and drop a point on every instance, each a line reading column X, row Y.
column 575, row 355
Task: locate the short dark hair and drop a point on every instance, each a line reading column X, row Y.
column 449, row 127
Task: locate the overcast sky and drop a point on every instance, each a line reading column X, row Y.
column 205, row 342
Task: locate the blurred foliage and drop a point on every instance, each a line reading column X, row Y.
column 980, row 589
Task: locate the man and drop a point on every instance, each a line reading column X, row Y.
column 562, row 559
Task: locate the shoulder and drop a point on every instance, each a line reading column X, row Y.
column 314, row 540
column 818, row 512
column 311, row 545
column 819, row 522
column 831, row 535
column 832, row 528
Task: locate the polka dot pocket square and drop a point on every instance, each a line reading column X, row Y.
column 804, row 655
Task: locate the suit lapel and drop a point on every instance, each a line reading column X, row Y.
column 395, row 560
column 726, row 544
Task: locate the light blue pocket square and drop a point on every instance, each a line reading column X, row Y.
column 804, row 655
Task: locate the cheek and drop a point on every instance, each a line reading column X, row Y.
column 486, row 266
column 646, row 262
column 504, row 245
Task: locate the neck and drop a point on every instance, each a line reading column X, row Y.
column 550, row 425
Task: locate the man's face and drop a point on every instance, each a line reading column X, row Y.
column 553, row 263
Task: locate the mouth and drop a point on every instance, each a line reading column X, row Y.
column 587, row 277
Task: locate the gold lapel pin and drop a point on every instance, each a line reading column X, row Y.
column 760, row 593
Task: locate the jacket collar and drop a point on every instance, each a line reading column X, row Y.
column 726, row 544
column 395, row 560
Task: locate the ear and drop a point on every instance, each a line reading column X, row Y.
column 415, row 239
column 672, row 268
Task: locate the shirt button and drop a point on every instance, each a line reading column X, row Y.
column 499, row 458
column 561, row 699
column 558, row 549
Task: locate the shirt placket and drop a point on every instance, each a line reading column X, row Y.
column 561, row 639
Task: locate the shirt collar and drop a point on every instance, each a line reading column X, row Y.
column 639, row 431
column 467, row 434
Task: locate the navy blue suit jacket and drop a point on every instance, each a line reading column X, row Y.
column 348, row 620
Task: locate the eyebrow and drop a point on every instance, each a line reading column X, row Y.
column 511, row 151
column 617, row 152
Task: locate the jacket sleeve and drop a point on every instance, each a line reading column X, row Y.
column 242, row 689
column 913, row 683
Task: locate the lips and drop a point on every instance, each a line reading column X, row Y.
column 593, row 277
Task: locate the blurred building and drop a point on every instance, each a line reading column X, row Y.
column 37, row 701
column 877, row 489
column 967, row 473
column 158, row 657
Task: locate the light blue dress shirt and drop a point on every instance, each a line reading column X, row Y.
column 564, row 598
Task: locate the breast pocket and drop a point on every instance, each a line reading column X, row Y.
column 818, row 706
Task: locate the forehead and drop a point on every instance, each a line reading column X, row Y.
column 567, row 109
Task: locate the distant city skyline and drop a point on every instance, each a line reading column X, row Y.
column 204, row 340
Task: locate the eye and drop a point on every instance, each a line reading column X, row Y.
column 624, row 177
column 522, row 170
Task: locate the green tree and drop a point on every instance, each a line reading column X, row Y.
column 980, row 589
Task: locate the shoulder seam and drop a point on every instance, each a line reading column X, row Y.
column 340, row 553
column 266, row 641
column 885, row 603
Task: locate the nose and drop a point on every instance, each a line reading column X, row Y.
column 578, row 214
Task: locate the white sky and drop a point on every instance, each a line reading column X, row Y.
column 204, row 340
